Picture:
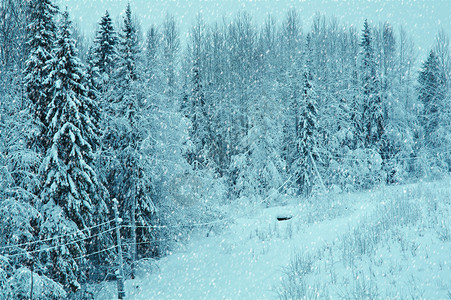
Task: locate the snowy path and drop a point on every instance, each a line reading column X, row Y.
column 245, row 262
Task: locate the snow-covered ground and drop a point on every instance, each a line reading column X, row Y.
column 391, row 242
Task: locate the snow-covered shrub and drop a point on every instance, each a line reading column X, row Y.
column 357, row 169
column 190, row 198
column 18, row 163
column 23, row 162
column 18, row 220
column 430, row 165
column 198, row 188
column 398, row 147
column 5, row 290
column 43, row 287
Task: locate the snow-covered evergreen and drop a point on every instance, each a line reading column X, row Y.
column 42, row 34
column 130, row 182
column 372, row 110
column 307, row 141
column 104, row 52
column 433, row 94
column 196, row 107
column 71, row 195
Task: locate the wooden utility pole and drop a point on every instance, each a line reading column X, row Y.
column 120, row 272
column 31, row 271
column 133, row 229
column 33, row 249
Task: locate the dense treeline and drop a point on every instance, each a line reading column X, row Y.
column 242, row 111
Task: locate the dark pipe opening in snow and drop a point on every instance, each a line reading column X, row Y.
column 283, row 218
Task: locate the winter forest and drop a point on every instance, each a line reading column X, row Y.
column 115, row 150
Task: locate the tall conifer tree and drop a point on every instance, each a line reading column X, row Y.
column 307, row 143
column 130, row 181
column 372, row 116
column 105, row 54
column 70, row 195
column 431, row 93
column 41, row 34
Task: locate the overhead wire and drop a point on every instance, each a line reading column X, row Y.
column 146, row 242
column 61, row 245
column 97, row 252
column 55, row 237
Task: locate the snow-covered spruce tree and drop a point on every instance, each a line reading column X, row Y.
column 128, row 50
column 105, row 54
column 153, row 55
column 291, row 93
column 122, row 107
column 432, row 93
column 170, row 47
column 101, row 241
column 292, row 84
column 372, row 113
column 71, row 196
column 92, row 82
column 385, row 46
column 307, row 141
column 344, row 114
column 196, row 109
column 352, row 91
column 200, row 131
column 41, row 33
column 442, row 49
column 388, row 59
column 127, row 160
column 291, row 120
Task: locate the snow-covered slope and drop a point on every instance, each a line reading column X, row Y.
column 251, row 258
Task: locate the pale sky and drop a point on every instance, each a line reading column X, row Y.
column 422, row 18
